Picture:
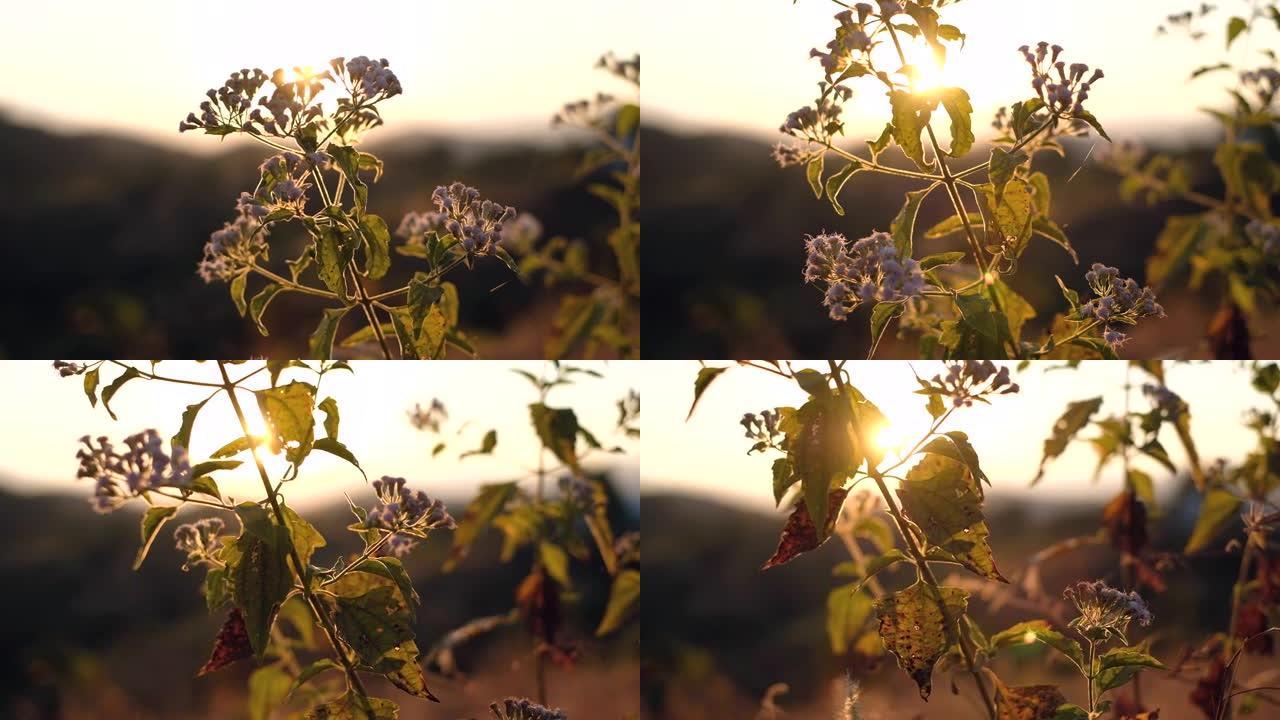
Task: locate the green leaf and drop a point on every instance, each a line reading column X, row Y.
column 183, row 436
column 813, row 382
column 392, row 569
column 110, row 391
column 237, row 291
column 334, row 447
column 557, row 428
column 1218, row 509
column 481, row 511
column 955, row 445
column 234, row 447
column 260, row 579
column 1117, row 666
column 376, row 622
column 628, row 119
column 910, row 116
column 956, row 102
column 836, row 183
column 1235, row 26
column 881, row 315
column 1038, row 631
column 581, row 316
column 944, row 500
column 904, row 225
column 216, row 591
column 487, row 445
column 813, row 171
column 154, row 518
column 624, row 602
column 332, row 418
column 320, row 346
column 782, row 479
column 1010, row 217
column 377, row 246
column 1002, row 167
column 91, row 386
column 823, row 451
column 330, row 263
column 1065, row 429
column 950, row 226
column 352, row 707
column 268, row 687
column 848, row 610
column 258, row 305
column 937, row 260
column 311, row 671
column 1088, row 117
column 881, row 562
column 288, row 410
column 914, row 628
column 556, row 562
column 305, row 538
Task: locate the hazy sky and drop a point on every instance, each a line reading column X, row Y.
column 745, row 65
column 47, row 414
column 707, row 455
column 498, row 67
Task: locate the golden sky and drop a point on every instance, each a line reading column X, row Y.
column 491, row 69
column 47, row 415
column 715, row 64
column 707, row 455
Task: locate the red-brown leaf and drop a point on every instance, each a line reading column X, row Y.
column 800, row 536
column 231, row 644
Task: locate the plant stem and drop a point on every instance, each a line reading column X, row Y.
column 877, row 167
column 1090, row 675
column 1237, row 591
column 927, row 575
column 326, row 622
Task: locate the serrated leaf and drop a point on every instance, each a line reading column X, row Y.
column 914, row 628
column 480, row 512
column 288, row 411
column 813, row 171
column 258, row 305
column 943, row 499
column 800, row 535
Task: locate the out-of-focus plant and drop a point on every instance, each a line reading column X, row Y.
column 307, row 182
column 1230, row 248
column 606, row 310
column 285, row 607
column 559, row 524
column 829, row 445
column 958, row 303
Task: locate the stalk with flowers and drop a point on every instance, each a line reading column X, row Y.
column 557, row 524
column 826, row 447
column 957, row 302
column 318, row 630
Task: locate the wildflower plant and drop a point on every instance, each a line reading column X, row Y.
column 958, row 303
column 829, row 446
column 557, row 514
column 320, row 180
column 605, row 312
column 1224, row 246
column 317, row 629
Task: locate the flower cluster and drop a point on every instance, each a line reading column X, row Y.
column 626, row 68
column 407, row 515
column 227, row 105
column 370, row 78
column 142, row 466
column 1118, row 301
column 762, row 428
column 430, row 417
column 867, row 270
column 460, row 212
column 1169, row 403
column 67, row 369
column 524, row 709
column 520, row 234
column 818, row 121
column 581, row 493
column 851, row 39
column 971, row 380
column 1062, row 88
column 1264, row 236
column 199, row 540
column 239, row 243
column 1105, row 611
column 1263, row 82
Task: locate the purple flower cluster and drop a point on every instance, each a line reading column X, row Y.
column 408, row 515
column 1263, row 82
column 868, row 270
column 762, row 427
column 581, row 493
column 239, row 243
column 1062, row 88
column 972, row 379
column 430, row 417
column 142, row 466
column 199, row 540
column 851, row 39
column 460, row 212
column 67, row 369
column 524, row 709
column 1118, row 301
column 1165, row 400
column 370, row 77
column 228, row 103
column 1106, row 611
column 820, row 120
column 1264, row 236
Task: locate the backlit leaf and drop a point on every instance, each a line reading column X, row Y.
column 914, row 629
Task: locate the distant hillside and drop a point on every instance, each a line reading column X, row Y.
column 101, row 236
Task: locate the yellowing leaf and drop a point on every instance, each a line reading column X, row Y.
column 914, row 628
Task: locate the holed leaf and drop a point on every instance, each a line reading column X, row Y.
column 914, row 629
column 288, row 410
column 800, row 535
column 942, row 497
column 230, row 645
column 1030, row 702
